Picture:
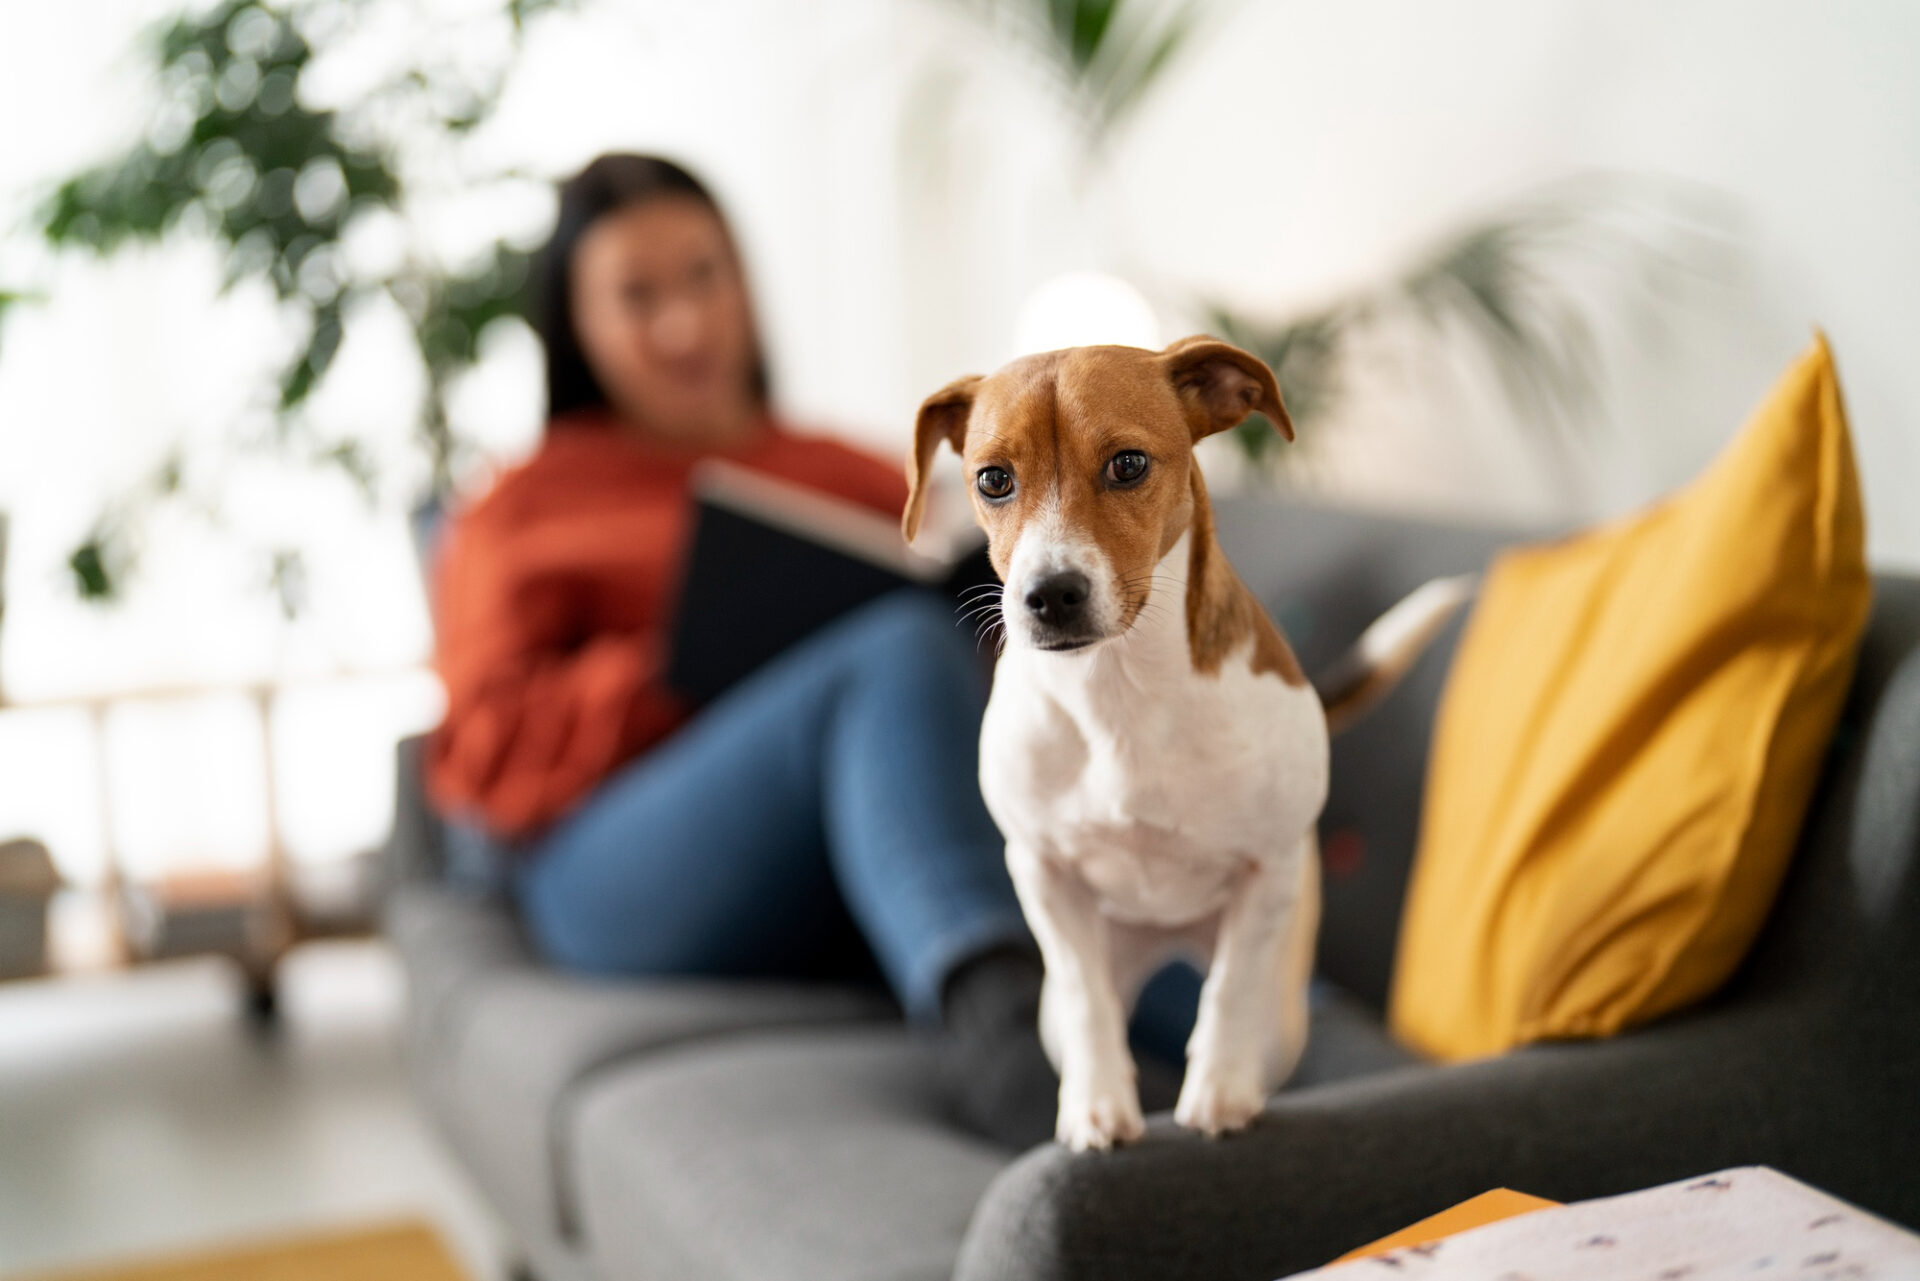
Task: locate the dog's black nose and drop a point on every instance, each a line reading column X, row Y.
column 1058, row 599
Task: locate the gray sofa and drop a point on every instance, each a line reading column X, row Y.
column 656, row 1129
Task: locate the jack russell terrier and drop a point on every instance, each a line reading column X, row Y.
column 1152, row 752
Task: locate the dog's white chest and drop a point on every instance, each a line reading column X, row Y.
column 1160, row 786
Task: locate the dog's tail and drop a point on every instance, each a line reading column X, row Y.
column 1389, row 647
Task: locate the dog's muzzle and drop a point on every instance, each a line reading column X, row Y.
column 1056, row 611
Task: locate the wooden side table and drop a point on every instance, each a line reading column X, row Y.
column 249, row 914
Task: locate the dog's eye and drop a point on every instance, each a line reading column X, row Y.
column 1126, row 467
column 994, row 482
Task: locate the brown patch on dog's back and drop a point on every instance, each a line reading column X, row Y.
column 1221, row 612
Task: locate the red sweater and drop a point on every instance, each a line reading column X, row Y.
column 553, row 597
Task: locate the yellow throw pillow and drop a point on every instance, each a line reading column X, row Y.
column 1628, row 740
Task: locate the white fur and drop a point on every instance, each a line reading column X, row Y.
column 1151, row 810
column 1413, row 621
column 1048, row 545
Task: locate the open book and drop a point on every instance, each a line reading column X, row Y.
column 1749, row 1222
column 770, row 562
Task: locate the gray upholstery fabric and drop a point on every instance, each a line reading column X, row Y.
column 1327, row 1169
column 1808, row 1061
column 416, row 847
column 1325, row 574
column 815, row 1155
column 1370, row 826
column 448, row 942
column 1851, row 911
column 1346, row 1040
column 661, row 1130
column 526, row 1041
column 500, row 1041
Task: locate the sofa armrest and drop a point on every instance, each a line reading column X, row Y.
column 416, row 844
column 1329, row 1169
column 1807, row 1061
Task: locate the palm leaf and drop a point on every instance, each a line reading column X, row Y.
column 1106, row 54
column 1492, row 284
column 1304, row 356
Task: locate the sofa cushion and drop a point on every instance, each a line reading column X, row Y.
column 817, row 1153
column 1347, row 1039
column 447, row 940
column 1325, row 573
column 776, row 1157
column 1628, row 742
column 526, row 1040
column 497, row 1040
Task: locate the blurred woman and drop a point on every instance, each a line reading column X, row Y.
column 819, row 816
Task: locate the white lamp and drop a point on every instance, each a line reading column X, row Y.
column 1085, row 308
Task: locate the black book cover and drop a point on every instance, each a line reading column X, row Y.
column 769, row 563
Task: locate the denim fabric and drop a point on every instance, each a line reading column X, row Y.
column 837, row 787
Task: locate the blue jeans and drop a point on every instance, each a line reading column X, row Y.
column 838, row 781
column 831, row 797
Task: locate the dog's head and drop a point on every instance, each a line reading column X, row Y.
column 1079, row 463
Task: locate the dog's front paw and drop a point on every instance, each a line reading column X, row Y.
column 1215, row 1102
column 1099, row 1116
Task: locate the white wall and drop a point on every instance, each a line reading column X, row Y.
column 903, row 183
column 1362, row 125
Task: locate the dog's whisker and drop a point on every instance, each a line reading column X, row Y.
column 988, row 634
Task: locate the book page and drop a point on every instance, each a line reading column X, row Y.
column 1743, row 1223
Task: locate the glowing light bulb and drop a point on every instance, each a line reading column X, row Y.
column 1085, row 308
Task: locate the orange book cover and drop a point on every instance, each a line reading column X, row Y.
column 1488, row 1207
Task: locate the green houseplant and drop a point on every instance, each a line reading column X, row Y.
column 237, row 154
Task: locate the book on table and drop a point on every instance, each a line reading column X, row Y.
column 1744, row 1222
column 770, row 562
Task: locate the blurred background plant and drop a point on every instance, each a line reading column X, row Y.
column 239, row 152
column 1492, row 284
column 287, row 184
column 1105, row 55
column 1501, row 284
column 9, row 298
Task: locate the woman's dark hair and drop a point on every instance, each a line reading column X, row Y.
column 611, row 183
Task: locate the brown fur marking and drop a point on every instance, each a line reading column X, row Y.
column 1221, row 611
column 1054, row 419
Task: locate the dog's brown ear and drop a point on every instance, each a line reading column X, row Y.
column 1219, row 385
column 943, row 416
